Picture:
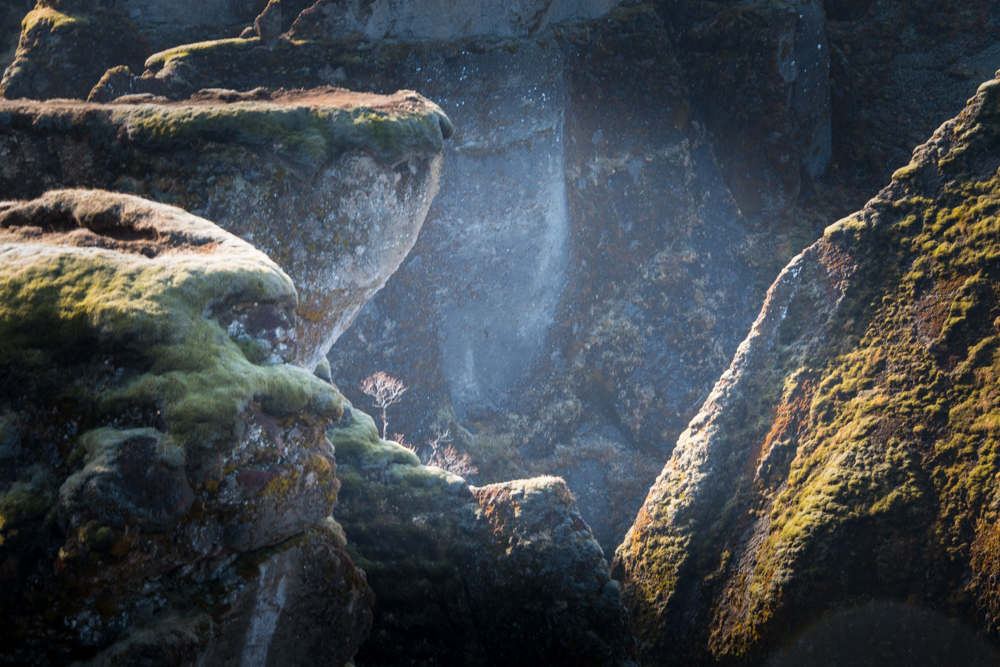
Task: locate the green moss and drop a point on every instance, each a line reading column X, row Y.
column 155, row 309
column 906, row 172
column 357, row 438
column 158, row 61
column 309, row 135
column 49, row 20
column 30, row 498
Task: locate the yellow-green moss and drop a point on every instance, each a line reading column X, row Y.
column 158, row 60
column 50, row 20
column 358, row 438
column 924, row 374
column 307, row 134
column 159, row 310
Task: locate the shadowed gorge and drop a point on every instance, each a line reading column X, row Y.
column 675, row 321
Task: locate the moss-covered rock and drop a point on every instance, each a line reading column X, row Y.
column 146, row 463
column 847, row 456
column 67, row 45
column 333, row 185
column 473, row 576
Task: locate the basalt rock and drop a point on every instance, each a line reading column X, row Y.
column 760, row 80
column 474, row 576
column 845, row 466
column 333, row 185
column 440, row 19
column 166, row 483
column 887, row 100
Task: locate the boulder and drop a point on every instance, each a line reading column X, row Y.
column 845, row 466
column 475, row 576
column 166, row 484
column 333, row 185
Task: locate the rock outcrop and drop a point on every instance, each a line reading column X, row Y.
column 501, row 574
column 333, row 185
column 66, row 45
column 845, row 466
column 166, row 483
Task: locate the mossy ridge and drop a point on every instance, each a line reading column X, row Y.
column 903, row 426
column 892, row 485
column 308, row 134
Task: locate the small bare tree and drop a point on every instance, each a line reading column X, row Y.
column 446, row 457
column 384, row 390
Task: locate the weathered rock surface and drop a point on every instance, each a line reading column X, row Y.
column 505, row 573
column 887, row 100
column 165, row 478
column 440, row 19
column 848, row 457
column 66, row 45
column 571, row 259
column 333, row 185
column 760, row 80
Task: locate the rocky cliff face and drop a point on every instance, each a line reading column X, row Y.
column 621, row 192
column 569, row 269
column 333, row 185
column 569, row 307
column 440, row 19
column 847, row 456
column 165, row 479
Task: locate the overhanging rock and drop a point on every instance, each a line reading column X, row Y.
column 333, row 185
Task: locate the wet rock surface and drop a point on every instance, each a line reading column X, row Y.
column 164, row 496
column 846, row 458
column 333, row 185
